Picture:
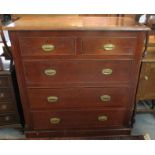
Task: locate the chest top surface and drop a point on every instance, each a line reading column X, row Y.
column 75, row 23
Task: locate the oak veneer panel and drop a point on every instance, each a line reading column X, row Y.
column 146, row 88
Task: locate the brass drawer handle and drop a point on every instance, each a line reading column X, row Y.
column 55, row 120
column 50, row 72
column 52, row 99
column 105, row 98
column 108, row 47
column 4, row 107
column 1, row 95
column 102, row 118
column 48, row 47
column 7, row 118
column 107, row 71
column 146, row 77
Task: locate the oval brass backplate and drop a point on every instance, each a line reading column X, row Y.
column 55, row 120
column 4, row 107
column 105, row 98
column 108, row 47
column 50, row 72
column 48, row 47
column 146, row 77
column 107, row 71
column 102, row 118
column 52, row 99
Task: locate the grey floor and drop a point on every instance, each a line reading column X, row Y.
column 145, row 124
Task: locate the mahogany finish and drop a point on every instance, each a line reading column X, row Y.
column 31, row 46
column 123, row 45
column 61, row 90
column 78, row 97
column 75, row 71
column 79, row 119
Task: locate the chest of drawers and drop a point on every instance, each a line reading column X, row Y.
column 9, row 116
column 77, row 75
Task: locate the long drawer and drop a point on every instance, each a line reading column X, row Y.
column 78, row 97
column 51, row 72
column 78, row 119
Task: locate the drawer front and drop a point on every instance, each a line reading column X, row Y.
column 108, row 45
column 46, row 73
column 78, row 119
column 8, row 119
column 4, row 81
column 78, row 97
column 7, row 107
column 5, row 94
column 38, row 46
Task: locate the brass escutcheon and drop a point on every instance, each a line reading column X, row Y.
column 55, row 120
column 102, row 118
column 105, row 98
column 48, row 47
column 52, row 99
column 107, row 71
column 50, row 72
column 108, row 47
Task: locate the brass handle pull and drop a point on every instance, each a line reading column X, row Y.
column 55, row 120
column 50, row 72
column 107, row 71
column 105, row 98
column 52, row 99
column 108, row 47
column 1, row 95
column 7, row 118
column 146, row 77
column 4, row 107
column 102, row 118
column 48, row 47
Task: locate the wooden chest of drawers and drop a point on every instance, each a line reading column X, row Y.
column 8, row 103
column 76, row 77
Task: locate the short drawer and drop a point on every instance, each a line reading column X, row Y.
column 78, row 97
column 4, row 81
column 47, row 73
column 39, row 46
column 7, row 106
column 78, row 119
column 7, row 119
column 5, row 94
column 108, row 45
